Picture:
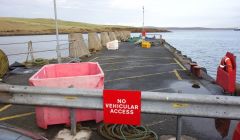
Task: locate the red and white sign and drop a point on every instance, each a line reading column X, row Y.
column 122, row 107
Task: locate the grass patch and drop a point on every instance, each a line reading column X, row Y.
column 27, row 26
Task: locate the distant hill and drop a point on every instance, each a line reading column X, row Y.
column 29, row 26
column 188, row 28
column 196, row 28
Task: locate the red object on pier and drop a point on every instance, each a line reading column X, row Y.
column 87, row 75
column 197, row 71
column 143, row 33
column 192, row 65
column 227, row 78
column 236, row 134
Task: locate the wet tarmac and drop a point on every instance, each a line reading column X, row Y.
column 134, row 68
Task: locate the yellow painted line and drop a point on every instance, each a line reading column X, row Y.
column 140, row 76
column 127, row 57
column 16, row 116
column 110, row 58
column 127, row 61
column 134, row 57
column 140, row 66
column 180, row 105
column 5, row 107
column 70, row 97
column 179, row 64
column 93, row 59
column 177, row 75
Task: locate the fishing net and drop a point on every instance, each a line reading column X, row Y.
column 117, row 34
column 77, row 46
column 94, row 43
column 122, row 37
column 112, row 36
column 104, row 38
column 126, row 35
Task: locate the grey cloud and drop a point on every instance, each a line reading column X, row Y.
column 214, row 12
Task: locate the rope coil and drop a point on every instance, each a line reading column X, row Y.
column 126, row 132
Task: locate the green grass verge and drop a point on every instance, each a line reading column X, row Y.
column 29, row 26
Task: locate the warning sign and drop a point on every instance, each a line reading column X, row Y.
column 122, row 107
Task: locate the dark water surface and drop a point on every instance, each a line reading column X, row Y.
column 207, row 47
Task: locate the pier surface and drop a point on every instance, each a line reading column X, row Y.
column 157, row 69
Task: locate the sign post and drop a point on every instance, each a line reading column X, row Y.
column 122, row 107
column 57, row 34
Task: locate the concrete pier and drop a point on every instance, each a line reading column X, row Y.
column 160, row 68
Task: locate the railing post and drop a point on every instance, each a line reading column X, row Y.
column 30, row 51
column 73, row 121
column 179, row 128
column 57, row 35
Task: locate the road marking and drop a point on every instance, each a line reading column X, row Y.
column 5, row 107
column 93, row 59
column 177, row 75
column 127, row 62
column 180, row 105
column 70, row 97
column 133, row 57
column 159, row 89
column 140, row 76
column 139, row 67
column 16, row 116
column 109, row 58
column 155, row 123
column 115, row 57
column 179, row 64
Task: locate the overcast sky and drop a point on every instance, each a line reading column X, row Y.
column 161, row 13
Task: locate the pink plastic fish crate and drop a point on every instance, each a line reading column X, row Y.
column 78, row 75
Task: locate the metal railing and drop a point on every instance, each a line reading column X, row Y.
column 30, row 51
column 179, row 104
column 36, row 51
column 42, row 41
